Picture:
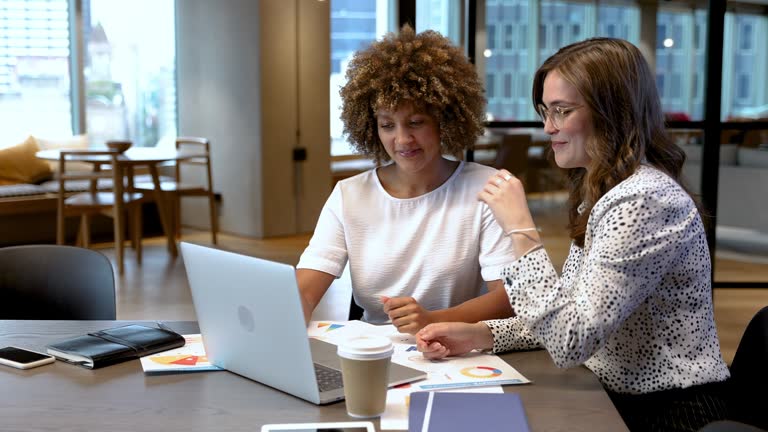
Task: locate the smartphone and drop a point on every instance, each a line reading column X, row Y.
column 23, row 358
column 361, row 426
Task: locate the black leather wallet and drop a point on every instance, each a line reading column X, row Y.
column 116, row 345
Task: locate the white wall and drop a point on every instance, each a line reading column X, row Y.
column 240, row 85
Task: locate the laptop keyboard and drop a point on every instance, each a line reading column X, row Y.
column 327, row 378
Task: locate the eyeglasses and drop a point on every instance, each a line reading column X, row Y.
column 556, row 113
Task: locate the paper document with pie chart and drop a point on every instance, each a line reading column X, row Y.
column 189, row 358
column 475, row 369
column 471, row 370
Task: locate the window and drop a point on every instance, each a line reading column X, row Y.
column 524, row 89
column 677, row 31
column 557, row 18
column 491, row 37
column 745, row 65
column 34, row 70
column 354, row 25
column 676, row 60
column 130, row 88
column 660, row 83
column 680, row 52
column 130, row 75
column 560, row 23
column 745, row 36
column 490, row 85
column 661, row 35
column 742, row 91
column 676, row 86
column 697, row 43
column 618, row 20
column 575, row 31
column 508, row 36
column 443, row 16
column 507, row 86
column 695, row 92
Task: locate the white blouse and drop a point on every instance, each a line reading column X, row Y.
column 635, row 304
column 437, row 248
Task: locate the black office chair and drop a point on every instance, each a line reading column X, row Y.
column 355, row 310
column 55, row 282
column 749, row 376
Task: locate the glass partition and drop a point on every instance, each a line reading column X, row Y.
column 520, row 34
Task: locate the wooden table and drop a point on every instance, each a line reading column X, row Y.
column 122, row 398
column 150, row 157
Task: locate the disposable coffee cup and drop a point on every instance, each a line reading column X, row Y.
column 365, row 371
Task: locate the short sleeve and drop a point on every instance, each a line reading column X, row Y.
column 327, row 250
column 496, row 249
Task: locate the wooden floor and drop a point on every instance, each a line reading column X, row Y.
column 158, row 289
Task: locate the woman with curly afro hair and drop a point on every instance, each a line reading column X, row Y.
column 420, row 246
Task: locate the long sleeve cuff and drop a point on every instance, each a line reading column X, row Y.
column 510, row 334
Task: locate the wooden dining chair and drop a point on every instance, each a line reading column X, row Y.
column 174, row 189
column 95, row 200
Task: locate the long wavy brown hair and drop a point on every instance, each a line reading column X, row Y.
column 620, row 91
column 424, row 69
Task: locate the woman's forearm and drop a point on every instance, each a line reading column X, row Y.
column 492, row 305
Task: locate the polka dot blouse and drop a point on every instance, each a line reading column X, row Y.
column 635, row 304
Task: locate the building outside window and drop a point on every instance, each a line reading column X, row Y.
column 511, row 63
column 746, row 94
column 130, row 88
column 357, row 23
column 130, row 82
column 679, row 55
column 443, row 16
column 354, row 25
column 34, row 70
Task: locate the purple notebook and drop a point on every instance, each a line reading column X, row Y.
column 454, row 412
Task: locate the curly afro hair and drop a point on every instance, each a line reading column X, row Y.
column 424, row 69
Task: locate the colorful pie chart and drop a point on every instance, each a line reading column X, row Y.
column 481, row 372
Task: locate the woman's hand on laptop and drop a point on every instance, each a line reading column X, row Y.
column 406, row 314
column 440, row 340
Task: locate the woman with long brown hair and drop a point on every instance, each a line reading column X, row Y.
column 634, row 301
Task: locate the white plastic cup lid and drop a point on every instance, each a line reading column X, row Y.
column 366, row 348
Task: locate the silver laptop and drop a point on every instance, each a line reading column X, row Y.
column 251, row 319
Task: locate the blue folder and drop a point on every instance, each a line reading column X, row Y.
column 454, row 412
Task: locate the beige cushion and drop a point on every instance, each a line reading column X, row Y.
column 77, row 142
column 18, row 164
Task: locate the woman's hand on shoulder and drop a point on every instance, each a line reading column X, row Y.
column 406, row 314
column 441, row 340
column 505, row 196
